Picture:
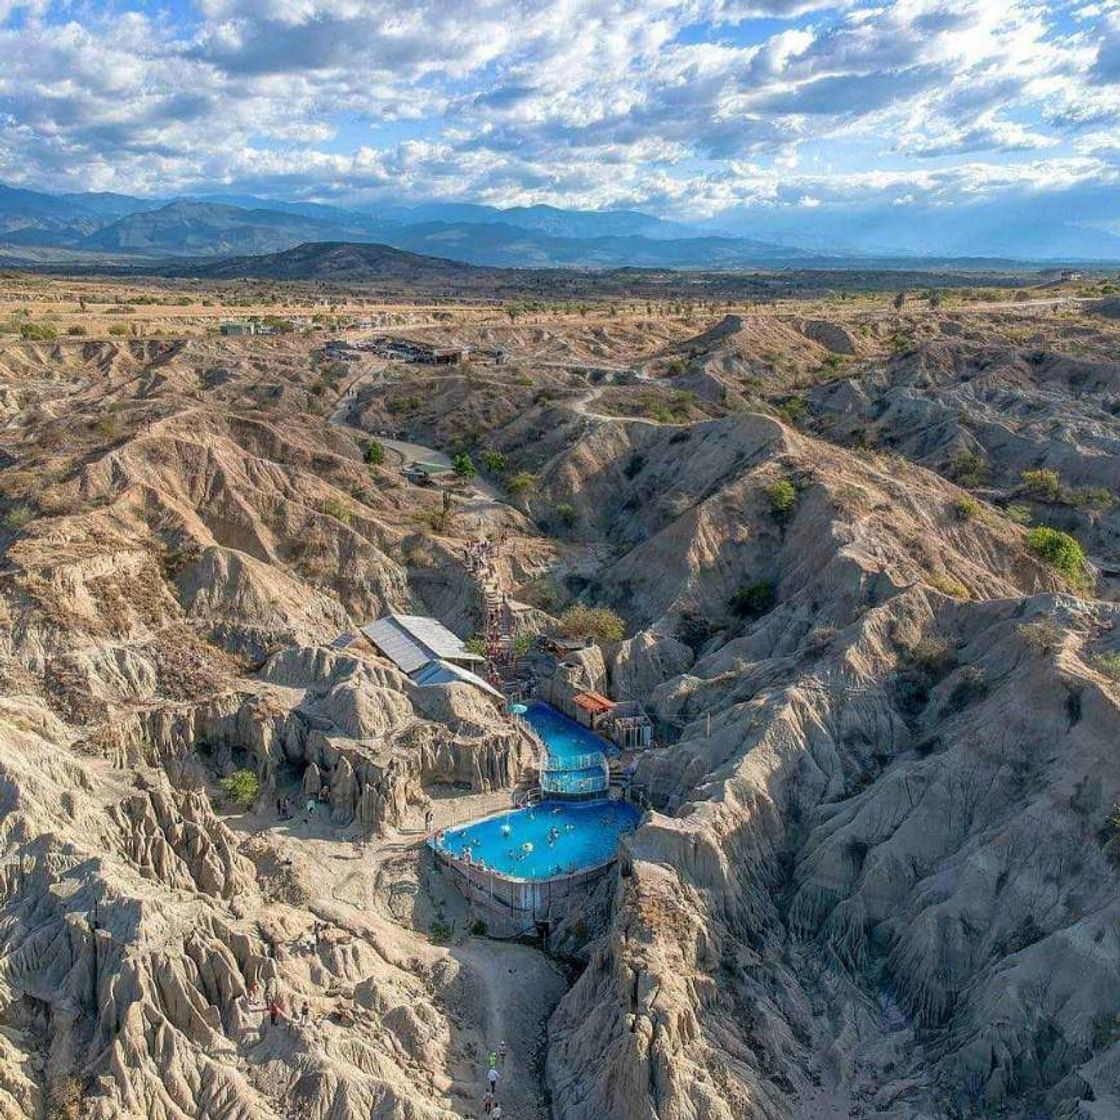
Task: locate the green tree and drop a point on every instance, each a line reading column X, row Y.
column 242, row 787
column 1043, row 485
column 463, row 466
column 600, row 624
column 1061, row 552
column 375, row 453
column 783, row 497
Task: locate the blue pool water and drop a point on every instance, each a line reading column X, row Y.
column 564, row 738
column 576, row 765
column 564, row 836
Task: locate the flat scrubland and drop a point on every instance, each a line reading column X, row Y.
column 864, row 559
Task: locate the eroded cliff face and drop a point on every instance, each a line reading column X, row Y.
column 167, row 619
column 878, row 876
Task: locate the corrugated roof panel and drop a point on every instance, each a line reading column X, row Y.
column 443, row 672
column 592, row 702
column 412, row 640
column 397, row 645
column 435, row 636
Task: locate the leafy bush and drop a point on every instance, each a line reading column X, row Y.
column 519, row 484
column 1093, row 497
column 968, row 468
column 478, row 928
column 966, row 509
column 494, row 461
column 754, row 599
column 440, row 932
column 38, row 332
column 333, row 507
column 947, row 585
column 118, row 330
column 566, row 514
column 1061, row 552
column 932, row 655
column 1109, row 665
column 1020, row 513
column 1042, row 485
column 242, row 787
column 600, row 624
column 19, row 516
column 793, row 411
column 783, row 497
column 463, row 466
column 375, row 453
column 1042, row 636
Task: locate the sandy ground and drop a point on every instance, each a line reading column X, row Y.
column 521, row 987
column 393, row 876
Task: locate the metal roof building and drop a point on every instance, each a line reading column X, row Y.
column 443, row 672
column 411, row 641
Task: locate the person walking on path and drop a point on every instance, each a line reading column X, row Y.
column 502, row 1052
column 429, row 816
column 496, row 1112
column 492, row 1077
column 275, row 1010
column 487, row 1102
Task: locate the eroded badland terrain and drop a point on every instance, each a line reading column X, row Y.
column 879, row 876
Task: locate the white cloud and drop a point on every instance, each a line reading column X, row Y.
column 579, row 102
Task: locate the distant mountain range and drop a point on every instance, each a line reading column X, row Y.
column 339, row 261
column 93, row 227
column 236, row 225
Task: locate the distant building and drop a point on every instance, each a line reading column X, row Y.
column 411, row 350
column 237, row 329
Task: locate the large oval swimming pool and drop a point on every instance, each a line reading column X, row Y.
column 548, row 840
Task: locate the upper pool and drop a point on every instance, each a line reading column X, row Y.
column 564, row 738
column 548, row 840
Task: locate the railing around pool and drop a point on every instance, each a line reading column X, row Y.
column 574, row 762
column 566, row 783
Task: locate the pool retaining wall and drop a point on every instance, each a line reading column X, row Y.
column 514, row 907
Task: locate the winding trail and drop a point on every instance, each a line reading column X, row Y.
column 403, row 450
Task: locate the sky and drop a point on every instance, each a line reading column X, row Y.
column 689, row 110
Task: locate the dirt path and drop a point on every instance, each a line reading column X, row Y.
column 521, row 988
column 405, row 451
column 582, row 405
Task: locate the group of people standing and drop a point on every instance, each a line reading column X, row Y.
column 490, row 1105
